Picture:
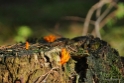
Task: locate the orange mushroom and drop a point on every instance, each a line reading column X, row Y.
column 65, row 56
column 50, row 38
column 27, row 45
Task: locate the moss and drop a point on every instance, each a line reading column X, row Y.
column 92, row 60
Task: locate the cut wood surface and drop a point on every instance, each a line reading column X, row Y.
column 83, row 59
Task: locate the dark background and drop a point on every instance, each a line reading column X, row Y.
column 42, row 15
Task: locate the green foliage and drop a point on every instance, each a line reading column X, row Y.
column 119, row 15
column 110, row 22
column 22, row 33
column 120, row 11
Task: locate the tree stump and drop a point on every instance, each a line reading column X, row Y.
column 91, row 61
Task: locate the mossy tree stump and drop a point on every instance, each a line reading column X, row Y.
column 92, row 61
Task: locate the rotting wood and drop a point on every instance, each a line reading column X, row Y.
column 92, row 61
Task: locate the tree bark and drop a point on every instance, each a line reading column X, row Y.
column 92, row 61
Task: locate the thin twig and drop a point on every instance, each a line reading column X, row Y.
column 98, row 7
column 43, row 78
column 72, row 18
column 105, row 20
column 54, row 32
column 97, row 22
column 76, row 18
column 89, row 15
column 106, row 12
column 98, row 12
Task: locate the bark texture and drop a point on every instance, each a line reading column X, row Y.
column 92, row 61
